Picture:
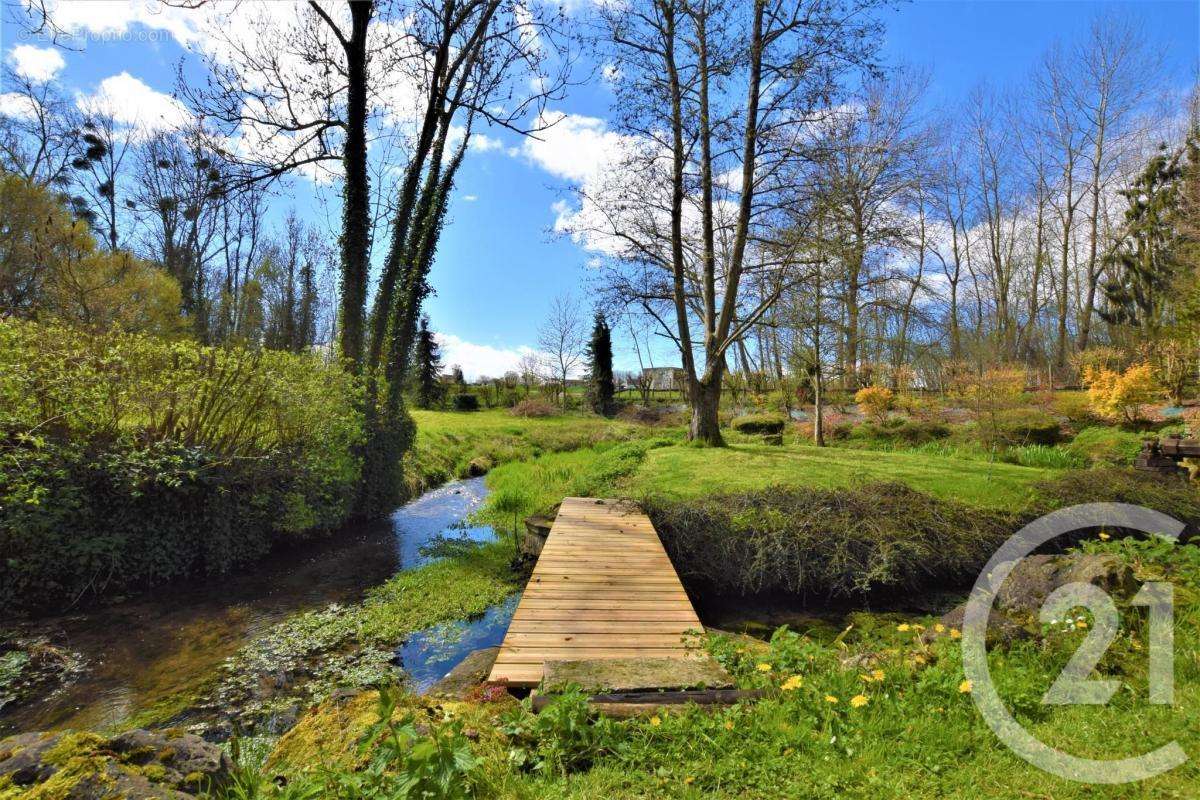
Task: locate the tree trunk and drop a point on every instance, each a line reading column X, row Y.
column 705, row 396
column 356, row 196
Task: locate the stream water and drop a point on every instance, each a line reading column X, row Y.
column 141, row 652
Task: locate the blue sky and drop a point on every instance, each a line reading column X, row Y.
column 499, row 264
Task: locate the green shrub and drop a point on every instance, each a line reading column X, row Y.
column 808, row 541
column 759, row 424
column 533, row 407
column 899, row 432
column 464, row 401
column 1028, row 426
column 1105, row 445
column 127, row 461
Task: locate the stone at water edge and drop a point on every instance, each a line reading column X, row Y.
column 1014, row 613
column 136, row 764
column 467, row 675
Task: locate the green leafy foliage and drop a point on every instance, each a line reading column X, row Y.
column 127, row 460
column 465, row 401
column 759, row 423
column 564, row 737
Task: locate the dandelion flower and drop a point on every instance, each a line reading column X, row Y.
column 858, row 701
column 955, row 633
column 939, row 628
column 831, row 699
column 763, row 667
column 655, row 721
column 1081, row 624
column 1104, row 537
column 903, row 627
column 965, row 687
column 728, row 724
column 877, row 674
column 689, row 780
column 792, row 683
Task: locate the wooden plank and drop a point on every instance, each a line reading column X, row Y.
column 603, row 587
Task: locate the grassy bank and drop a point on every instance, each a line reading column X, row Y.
column 448, row 441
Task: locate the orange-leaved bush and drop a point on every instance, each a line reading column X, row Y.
column 875, row 401
column 1122, row 395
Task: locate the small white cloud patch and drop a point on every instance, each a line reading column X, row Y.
column 38, row 64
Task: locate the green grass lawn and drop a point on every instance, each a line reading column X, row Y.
column 684, row 471
column 666, row 467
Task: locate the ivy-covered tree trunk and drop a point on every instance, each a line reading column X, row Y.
column 356, row 197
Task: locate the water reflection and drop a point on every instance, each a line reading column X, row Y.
column 172, row 641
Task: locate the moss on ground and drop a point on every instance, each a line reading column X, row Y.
column 353, row 645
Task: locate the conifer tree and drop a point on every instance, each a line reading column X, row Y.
column 1144, row 265
column 428, row 367
column 601, row 389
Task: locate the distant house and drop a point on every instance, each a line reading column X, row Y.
column 665, row 379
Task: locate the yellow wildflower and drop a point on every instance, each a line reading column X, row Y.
column 655, row 721
column 858, row 701
column 831, row 699
column 689, row 780
column 939, row 628
column 728, row 724
column 763, row 667
column 903, row 627
column 965, row 687
column 877, row 674
column 794, row 682
column 955, row 633
column 1104, row 536
column 1081, row 624
column 919, row 659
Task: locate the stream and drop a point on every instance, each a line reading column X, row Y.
column 137, row 653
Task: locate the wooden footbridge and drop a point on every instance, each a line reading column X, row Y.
column 603, row 588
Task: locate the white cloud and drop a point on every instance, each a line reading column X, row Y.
column 131, row 102
column 116, row 17
column 479, row 359
column 470, row 198
column 485, row 144
column 18, row 106
column 574, row 147
column 38, row 64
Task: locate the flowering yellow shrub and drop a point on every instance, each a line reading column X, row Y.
column 1121, row 395
column 875, row 401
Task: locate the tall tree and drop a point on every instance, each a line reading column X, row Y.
column 601, row 388
column 717, row 96
column 427, row 366
column 561, row 341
